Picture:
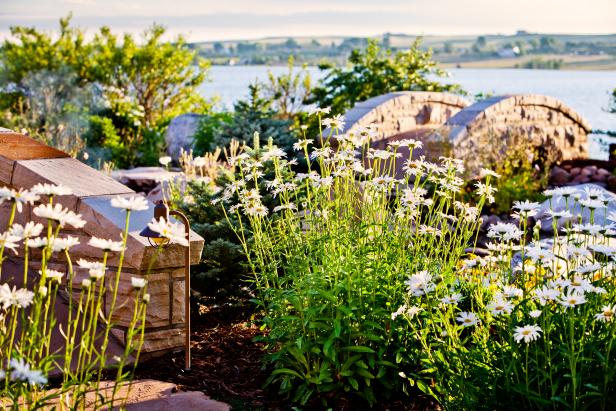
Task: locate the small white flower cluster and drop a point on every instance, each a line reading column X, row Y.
column 20, row 371
column 173, row 232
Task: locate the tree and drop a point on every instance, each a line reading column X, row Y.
column 140, row 87
column 374, row 71
column 547, row 44
column 480, row 44
column 256, row 114
column 289, row 90
column 161, row 78
column 291, row 44
column 219, row 47
column 35, row 51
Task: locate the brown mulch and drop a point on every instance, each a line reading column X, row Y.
column 226, row 363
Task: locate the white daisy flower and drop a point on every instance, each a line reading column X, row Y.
column 37, row 242
column 452, row 299
column 165, row 160
column 8, row 240
column 137, row 282
column 606, row 314
column 52, row 275
column 527, row 333
column 106, row 245
column 134, row 203
column 51, row 190
column 571, row 299
column 535, row 313
column 467, row 319
column 174, row 232
column 31, row 229
column 90, row 264
column 50, row 212
column 15, row 297
column 21, row 197
column 21, row 371
column 500, row 306
column 420, row 283
column 487, row 172
column 63, row 244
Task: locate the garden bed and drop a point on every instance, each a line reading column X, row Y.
column 227, row 364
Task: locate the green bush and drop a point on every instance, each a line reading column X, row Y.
column 524, row 175
column 329, row 276
column 256, row 115
column 209, row 126
column 113, row 78
column 375, row 71
column 366, row 290
column 223, row 270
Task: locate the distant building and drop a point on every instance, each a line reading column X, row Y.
column 509, row 52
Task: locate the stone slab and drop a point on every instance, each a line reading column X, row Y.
column 144, row 395
column 83, row 180
column 15, row 146
column 6, row 170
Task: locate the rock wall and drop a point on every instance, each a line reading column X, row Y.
column 25, row 162
column 481, row 132
column 403, row 111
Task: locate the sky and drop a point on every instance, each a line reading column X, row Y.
column 207, row 20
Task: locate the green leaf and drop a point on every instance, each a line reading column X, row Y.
column 287, row 371
column 354, row 383
column 358, row 348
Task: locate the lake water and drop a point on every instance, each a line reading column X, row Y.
column 587, row 92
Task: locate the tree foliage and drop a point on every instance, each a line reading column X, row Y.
column 288, row 91
column 139, row 86
column 257, row 114
column 375, row 71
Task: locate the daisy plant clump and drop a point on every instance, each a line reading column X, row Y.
column 532, row 322
column 341, row 264
column 28, row 357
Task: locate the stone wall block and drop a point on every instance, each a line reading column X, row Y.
column 179, row 302
column 157, row 313
column 163, row 340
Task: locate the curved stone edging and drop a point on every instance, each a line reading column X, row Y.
column 492, row 107
column 402, row 111
column 479, row 134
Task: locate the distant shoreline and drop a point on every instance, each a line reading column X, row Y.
column 480, row 64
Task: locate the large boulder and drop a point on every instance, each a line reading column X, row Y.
column 180, row 133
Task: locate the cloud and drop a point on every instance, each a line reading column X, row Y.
column 208, row 20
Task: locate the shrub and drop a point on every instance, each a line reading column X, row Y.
column 328, row 276
column 524, row 173
column 365, row 286
column 223, row 270
column 375, row 71
column 257, row 115
column 116, row 77
column 206, row 133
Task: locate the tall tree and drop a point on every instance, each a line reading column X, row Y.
column 375, row 71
